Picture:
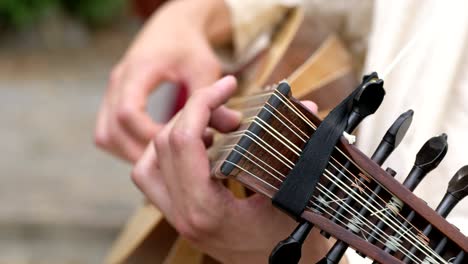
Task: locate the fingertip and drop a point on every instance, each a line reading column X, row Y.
column 311, row 106
column 228, row 82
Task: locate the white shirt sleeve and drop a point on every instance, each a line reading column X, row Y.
column 253, row 21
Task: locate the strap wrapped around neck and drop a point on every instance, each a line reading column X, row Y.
column 296, row 191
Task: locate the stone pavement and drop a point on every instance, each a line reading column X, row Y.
column 61, row 199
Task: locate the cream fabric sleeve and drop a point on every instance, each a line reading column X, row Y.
column 253, row 23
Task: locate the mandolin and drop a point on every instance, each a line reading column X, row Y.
column 319, row 69
column 352, row 198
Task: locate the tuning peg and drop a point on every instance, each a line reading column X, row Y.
column 336, row 253
column 388, row 144
column 393, row 137
column 456, row 191
column 459, row 258
column 427, row 159
column 367, row 101
column 289, row 249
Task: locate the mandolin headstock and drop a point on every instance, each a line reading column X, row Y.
column 270, row 141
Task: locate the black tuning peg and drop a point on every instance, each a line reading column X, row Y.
column 456, row 191
column 367, row 101
column 393, row 137
column 459, row 258
column 336, row 253
column 289, row 250
column 388, row 144
column 427, row 159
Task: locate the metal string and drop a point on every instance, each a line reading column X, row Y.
column 368, row 224
column 327, row 204
column 292, row 143
column 296, row 111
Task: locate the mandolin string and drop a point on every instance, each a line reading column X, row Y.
column 256, row 164
column 334, row 217
column 330, row 163
column 296, row 146
column 297, row 112
column 370, row 225
column 401, row 233
column 242, row 100
column 404, row 251
column 301, row 131
column 363, row 231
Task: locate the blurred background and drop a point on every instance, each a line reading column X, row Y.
column 61, row 199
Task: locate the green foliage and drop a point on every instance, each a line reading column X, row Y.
column 21, row 13
column 94, row 12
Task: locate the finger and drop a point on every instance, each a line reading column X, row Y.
column 138, row 124
column 110, row 137
column 225, row 120
column 131, row 108
column 208, row 137
column 147, row 164
column 198, row 110
column 124, row 145
column 311, row 106
column 147, row 177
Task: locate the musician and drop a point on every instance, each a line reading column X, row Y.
column 177, row 45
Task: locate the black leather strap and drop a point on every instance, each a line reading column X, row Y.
column 296, row 191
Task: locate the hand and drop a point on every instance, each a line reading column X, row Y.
column 175, row 46
column 174, row 174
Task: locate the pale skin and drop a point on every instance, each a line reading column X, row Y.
column 174, row 174
column 180, row 53
column 173, row 170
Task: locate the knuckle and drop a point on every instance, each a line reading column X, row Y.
column 160, row 141
column 125, row 113
column 179, row 138
column 184, row 229
column 196, row 226
column 102, row 139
